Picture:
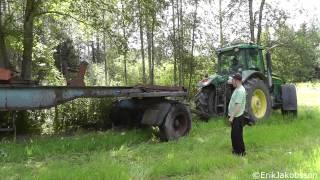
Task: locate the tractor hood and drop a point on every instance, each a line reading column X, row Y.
column 217, row 79
column 214, row 79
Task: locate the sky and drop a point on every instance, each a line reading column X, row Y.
column 298, row 12
column 311, row 10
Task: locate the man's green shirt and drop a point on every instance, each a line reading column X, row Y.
column 238, row 97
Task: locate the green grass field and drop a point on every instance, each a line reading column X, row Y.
column 279, row 144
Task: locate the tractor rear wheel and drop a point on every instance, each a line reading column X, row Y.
column 258, row 104
column 205, row 101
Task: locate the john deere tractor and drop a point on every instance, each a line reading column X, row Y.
column 265, row 90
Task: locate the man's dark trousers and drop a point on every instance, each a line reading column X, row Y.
column 237, row 135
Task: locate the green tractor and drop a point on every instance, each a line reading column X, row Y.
column 265, row 91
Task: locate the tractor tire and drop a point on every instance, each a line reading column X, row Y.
column 205, row 102
column 289, row 100
column 258, row 102
column 176, row 124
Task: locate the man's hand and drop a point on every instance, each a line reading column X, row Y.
column 231, row 119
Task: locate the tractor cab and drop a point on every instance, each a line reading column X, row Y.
column 240, row 58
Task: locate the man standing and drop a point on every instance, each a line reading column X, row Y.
column 236, row 109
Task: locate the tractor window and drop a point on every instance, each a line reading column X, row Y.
column 230, row 61
column 255, row 61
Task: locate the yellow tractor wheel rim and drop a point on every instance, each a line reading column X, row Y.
column 259, row 103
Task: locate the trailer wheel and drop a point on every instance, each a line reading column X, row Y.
column 176, row 124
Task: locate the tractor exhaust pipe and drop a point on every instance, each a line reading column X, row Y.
column 269, row 68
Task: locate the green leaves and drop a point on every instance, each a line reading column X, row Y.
column 296, row 57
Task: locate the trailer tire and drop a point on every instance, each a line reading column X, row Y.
column 176, row 124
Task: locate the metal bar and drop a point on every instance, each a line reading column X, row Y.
column 38, row 97
column 6, row 129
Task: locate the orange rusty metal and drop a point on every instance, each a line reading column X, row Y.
column 5, row 74
column 78, row 81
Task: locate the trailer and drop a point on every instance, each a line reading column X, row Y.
column 147, row 104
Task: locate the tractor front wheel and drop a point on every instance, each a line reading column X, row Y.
column 205, row 101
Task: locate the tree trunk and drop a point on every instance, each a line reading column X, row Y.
column 174, row 45
column 98, row 54
column 105, row 54
column 220, row 24
column 93, row 52
column 181, row 49
column 26, row 67
column 149, row 53
column 125, row 67
column 260, row 19
column 144, row 79
column 251, row 21
column 153, row 49
column 192, row 44
column 178, row 44
column 3, row 49
column 124, row 45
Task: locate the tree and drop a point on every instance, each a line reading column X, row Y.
column 220, row 24
column 252, row 22
column 141, row 26
column 124, row 42
column 296, row 54
column 192, row 43
column 29, row 14
column 173, row 40
column 4, row 61
column 260, row 21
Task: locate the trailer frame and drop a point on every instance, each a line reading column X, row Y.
column 153, row 105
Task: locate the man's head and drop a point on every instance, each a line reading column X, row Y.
column 236, row 80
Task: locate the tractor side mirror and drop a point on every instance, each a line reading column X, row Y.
column 268, row 59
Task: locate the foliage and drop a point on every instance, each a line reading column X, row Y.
column 296, row 59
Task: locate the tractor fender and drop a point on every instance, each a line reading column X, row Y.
column 212, row 80
column 248, row 74
column 155, row 114
column 205, row 82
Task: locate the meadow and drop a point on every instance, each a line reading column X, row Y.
column 281, row 144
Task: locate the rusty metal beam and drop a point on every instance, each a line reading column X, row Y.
column 39, row 97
